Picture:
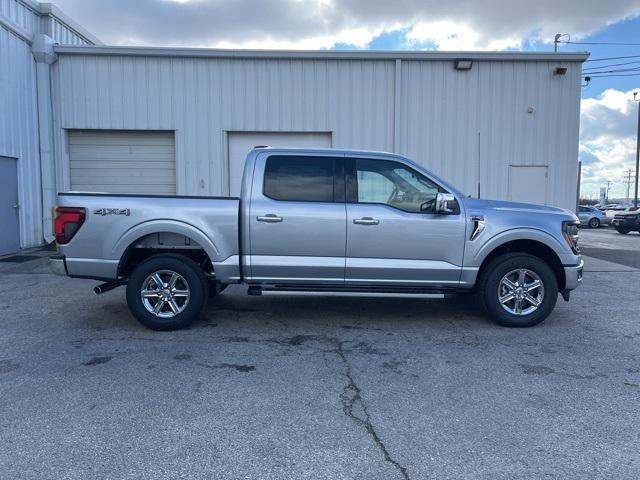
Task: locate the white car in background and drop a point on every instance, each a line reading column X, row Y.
column 592, row 217
column 612, row 209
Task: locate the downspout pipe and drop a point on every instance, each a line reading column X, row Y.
column 42, row 50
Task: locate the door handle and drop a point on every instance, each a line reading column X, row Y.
column 269, row 218
column 366, row 221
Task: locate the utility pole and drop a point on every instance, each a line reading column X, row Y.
column 556, row 40
column 578, row 186
column 635, row 198
column 607, row 196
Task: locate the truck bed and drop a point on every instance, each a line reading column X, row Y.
column 115, row 223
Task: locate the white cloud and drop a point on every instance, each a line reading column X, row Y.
column 358, row 37
column 607, row 140
column 455, row 36
column 312, row 24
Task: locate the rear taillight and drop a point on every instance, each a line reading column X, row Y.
column 67, row 223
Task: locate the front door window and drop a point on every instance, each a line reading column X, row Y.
column 391, row 183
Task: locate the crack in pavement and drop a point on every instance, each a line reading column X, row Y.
column 352, row 401
column 353, row 405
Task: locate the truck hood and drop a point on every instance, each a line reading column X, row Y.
column 478, row 206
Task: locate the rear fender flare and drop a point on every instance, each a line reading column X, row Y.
column 169, row 226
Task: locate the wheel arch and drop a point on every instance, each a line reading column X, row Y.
column 540, row 247
column 143, row 237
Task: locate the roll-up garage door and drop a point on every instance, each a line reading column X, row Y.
column 112, row 161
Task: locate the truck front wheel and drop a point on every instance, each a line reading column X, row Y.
column 167, row 292
column 518, row 290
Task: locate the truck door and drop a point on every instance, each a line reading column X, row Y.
column 393, row 236
column 297, row 220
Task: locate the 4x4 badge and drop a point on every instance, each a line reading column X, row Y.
column 112, row 211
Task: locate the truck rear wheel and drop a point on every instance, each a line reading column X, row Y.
column 518, row 290
column 167, row 292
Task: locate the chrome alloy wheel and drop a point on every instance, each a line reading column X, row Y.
column 165, row 293
column 521, row 291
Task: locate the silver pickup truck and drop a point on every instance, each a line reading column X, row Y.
column 321, row 221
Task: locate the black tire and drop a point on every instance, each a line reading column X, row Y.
column 622, row 231
column 492, row 276
column 594, row 223
column 196, row 284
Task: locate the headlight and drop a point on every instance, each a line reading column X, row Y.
column 570, row 234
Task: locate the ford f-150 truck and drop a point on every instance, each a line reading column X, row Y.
column 321, row 221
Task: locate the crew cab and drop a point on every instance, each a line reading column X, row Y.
column 321, row 220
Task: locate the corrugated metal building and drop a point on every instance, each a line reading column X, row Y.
column 24, row 72
column 161, row 120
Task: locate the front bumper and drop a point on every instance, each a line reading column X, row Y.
column 630, row 224
column 58, row 265
column 573, row 276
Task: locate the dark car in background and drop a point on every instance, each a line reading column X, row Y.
column 627, row 221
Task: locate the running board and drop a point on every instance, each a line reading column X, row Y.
column 330, row 291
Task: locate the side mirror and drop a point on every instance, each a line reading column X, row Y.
column 446, row 204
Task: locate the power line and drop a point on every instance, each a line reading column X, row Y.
column 611, row 65
column 610, row 58
column 617, row 70
column 612, row 75
column 598, row 43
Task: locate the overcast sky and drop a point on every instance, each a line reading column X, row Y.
column 607, row 140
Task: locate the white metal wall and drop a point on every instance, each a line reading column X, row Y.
column 465, row 126
column 201, row 99
column 20, row 14
column 470, row 126
column 20, row 20
column 19, row 129
column 64, row 35
column 25, row 14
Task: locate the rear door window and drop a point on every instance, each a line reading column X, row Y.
column 300, row 178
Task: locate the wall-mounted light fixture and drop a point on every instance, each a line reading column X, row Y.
column 463, row 64
column 560, row 71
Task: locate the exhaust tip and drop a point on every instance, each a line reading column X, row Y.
column 106, row 287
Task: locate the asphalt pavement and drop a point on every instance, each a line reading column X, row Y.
column 607, row 244
column 317, row 388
